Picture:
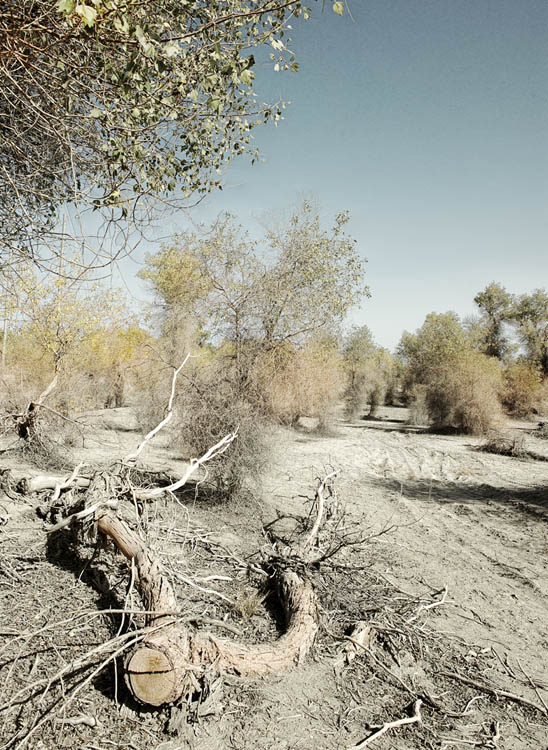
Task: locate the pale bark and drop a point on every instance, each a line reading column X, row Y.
column 169, row 663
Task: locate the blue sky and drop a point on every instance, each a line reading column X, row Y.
column 428, row 122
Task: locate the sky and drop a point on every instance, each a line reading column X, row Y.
column 428, row 122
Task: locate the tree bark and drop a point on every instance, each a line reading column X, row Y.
column 170, row 662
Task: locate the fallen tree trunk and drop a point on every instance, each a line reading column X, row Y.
column 170, row 662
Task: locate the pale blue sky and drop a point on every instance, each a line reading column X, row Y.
column 428, row 122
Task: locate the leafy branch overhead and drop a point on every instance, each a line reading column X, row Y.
column 106, row 102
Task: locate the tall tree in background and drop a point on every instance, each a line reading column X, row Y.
column 303, row 284
column 531, row 317
column 440, row 341
column 496, row 305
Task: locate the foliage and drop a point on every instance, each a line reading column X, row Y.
column 456, row 385
column 464, row 394
column 440, row 341
column 523, row 390
column 531, row 317
column 306, row 284
column 496, row 305
column 316, row 277
column 111, row 100
column 79, row 330
column 108, row 102
column 370, row 372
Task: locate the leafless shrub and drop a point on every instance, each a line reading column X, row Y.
column 504, row 445
column 150, row 400
column 210, row 407
column 54, row 430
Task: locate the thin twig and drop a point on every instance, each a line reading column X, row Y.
column 494, row 691
column 415, row 719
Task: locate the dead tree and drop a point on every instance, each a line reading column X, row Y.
column 172, row 660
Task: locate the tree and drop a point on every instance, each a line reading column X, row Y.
column 370, row 371
column 358, row 351
column 440, row 340
column 458, row 385
column 109, row 103
column 258, row 301
column 316, row 277
column 496, row 305
column 531, row 317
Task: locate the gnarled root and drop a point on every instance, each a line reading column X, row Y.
column 169, row 663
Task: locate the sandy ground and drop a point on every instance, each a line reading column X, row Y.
column 452, row 576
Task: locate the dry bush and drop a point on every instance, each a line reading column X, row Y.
column 542, row 431
column 464, row 395
column 523, row 392
column 54, row 430
column 210, row 406
column 504, row 445
column 372, row 381
column 418, row 410
column 151, row 395
column 288, row 384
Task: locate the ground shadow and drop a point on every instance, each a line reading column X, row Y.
column 531, row 500
column 66, row 551
column 386, row 426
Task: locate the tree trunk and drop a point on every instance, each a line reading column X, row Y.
column 170, row 662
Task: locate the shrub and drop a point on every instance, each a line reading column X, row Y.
column 523, row 391
column 288, row 383
column 418, row 411
column 209, row 407
column 464, row 395
column 505, row 446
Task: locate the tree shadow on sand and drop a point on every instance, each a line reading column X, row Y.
column 531, row 500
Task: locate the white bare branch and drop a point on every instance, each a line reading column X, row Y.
column 132, row 457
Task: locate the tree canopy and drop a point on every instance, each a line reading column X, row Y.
column 304, row 280
column 440, row 340
column 531, row 316
column 496, row 305
column 107, row 103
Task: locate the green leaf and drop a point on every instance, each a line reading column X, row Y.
column 66, row 6
column 171, row 49
column 338, row 8
column 87, row 13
